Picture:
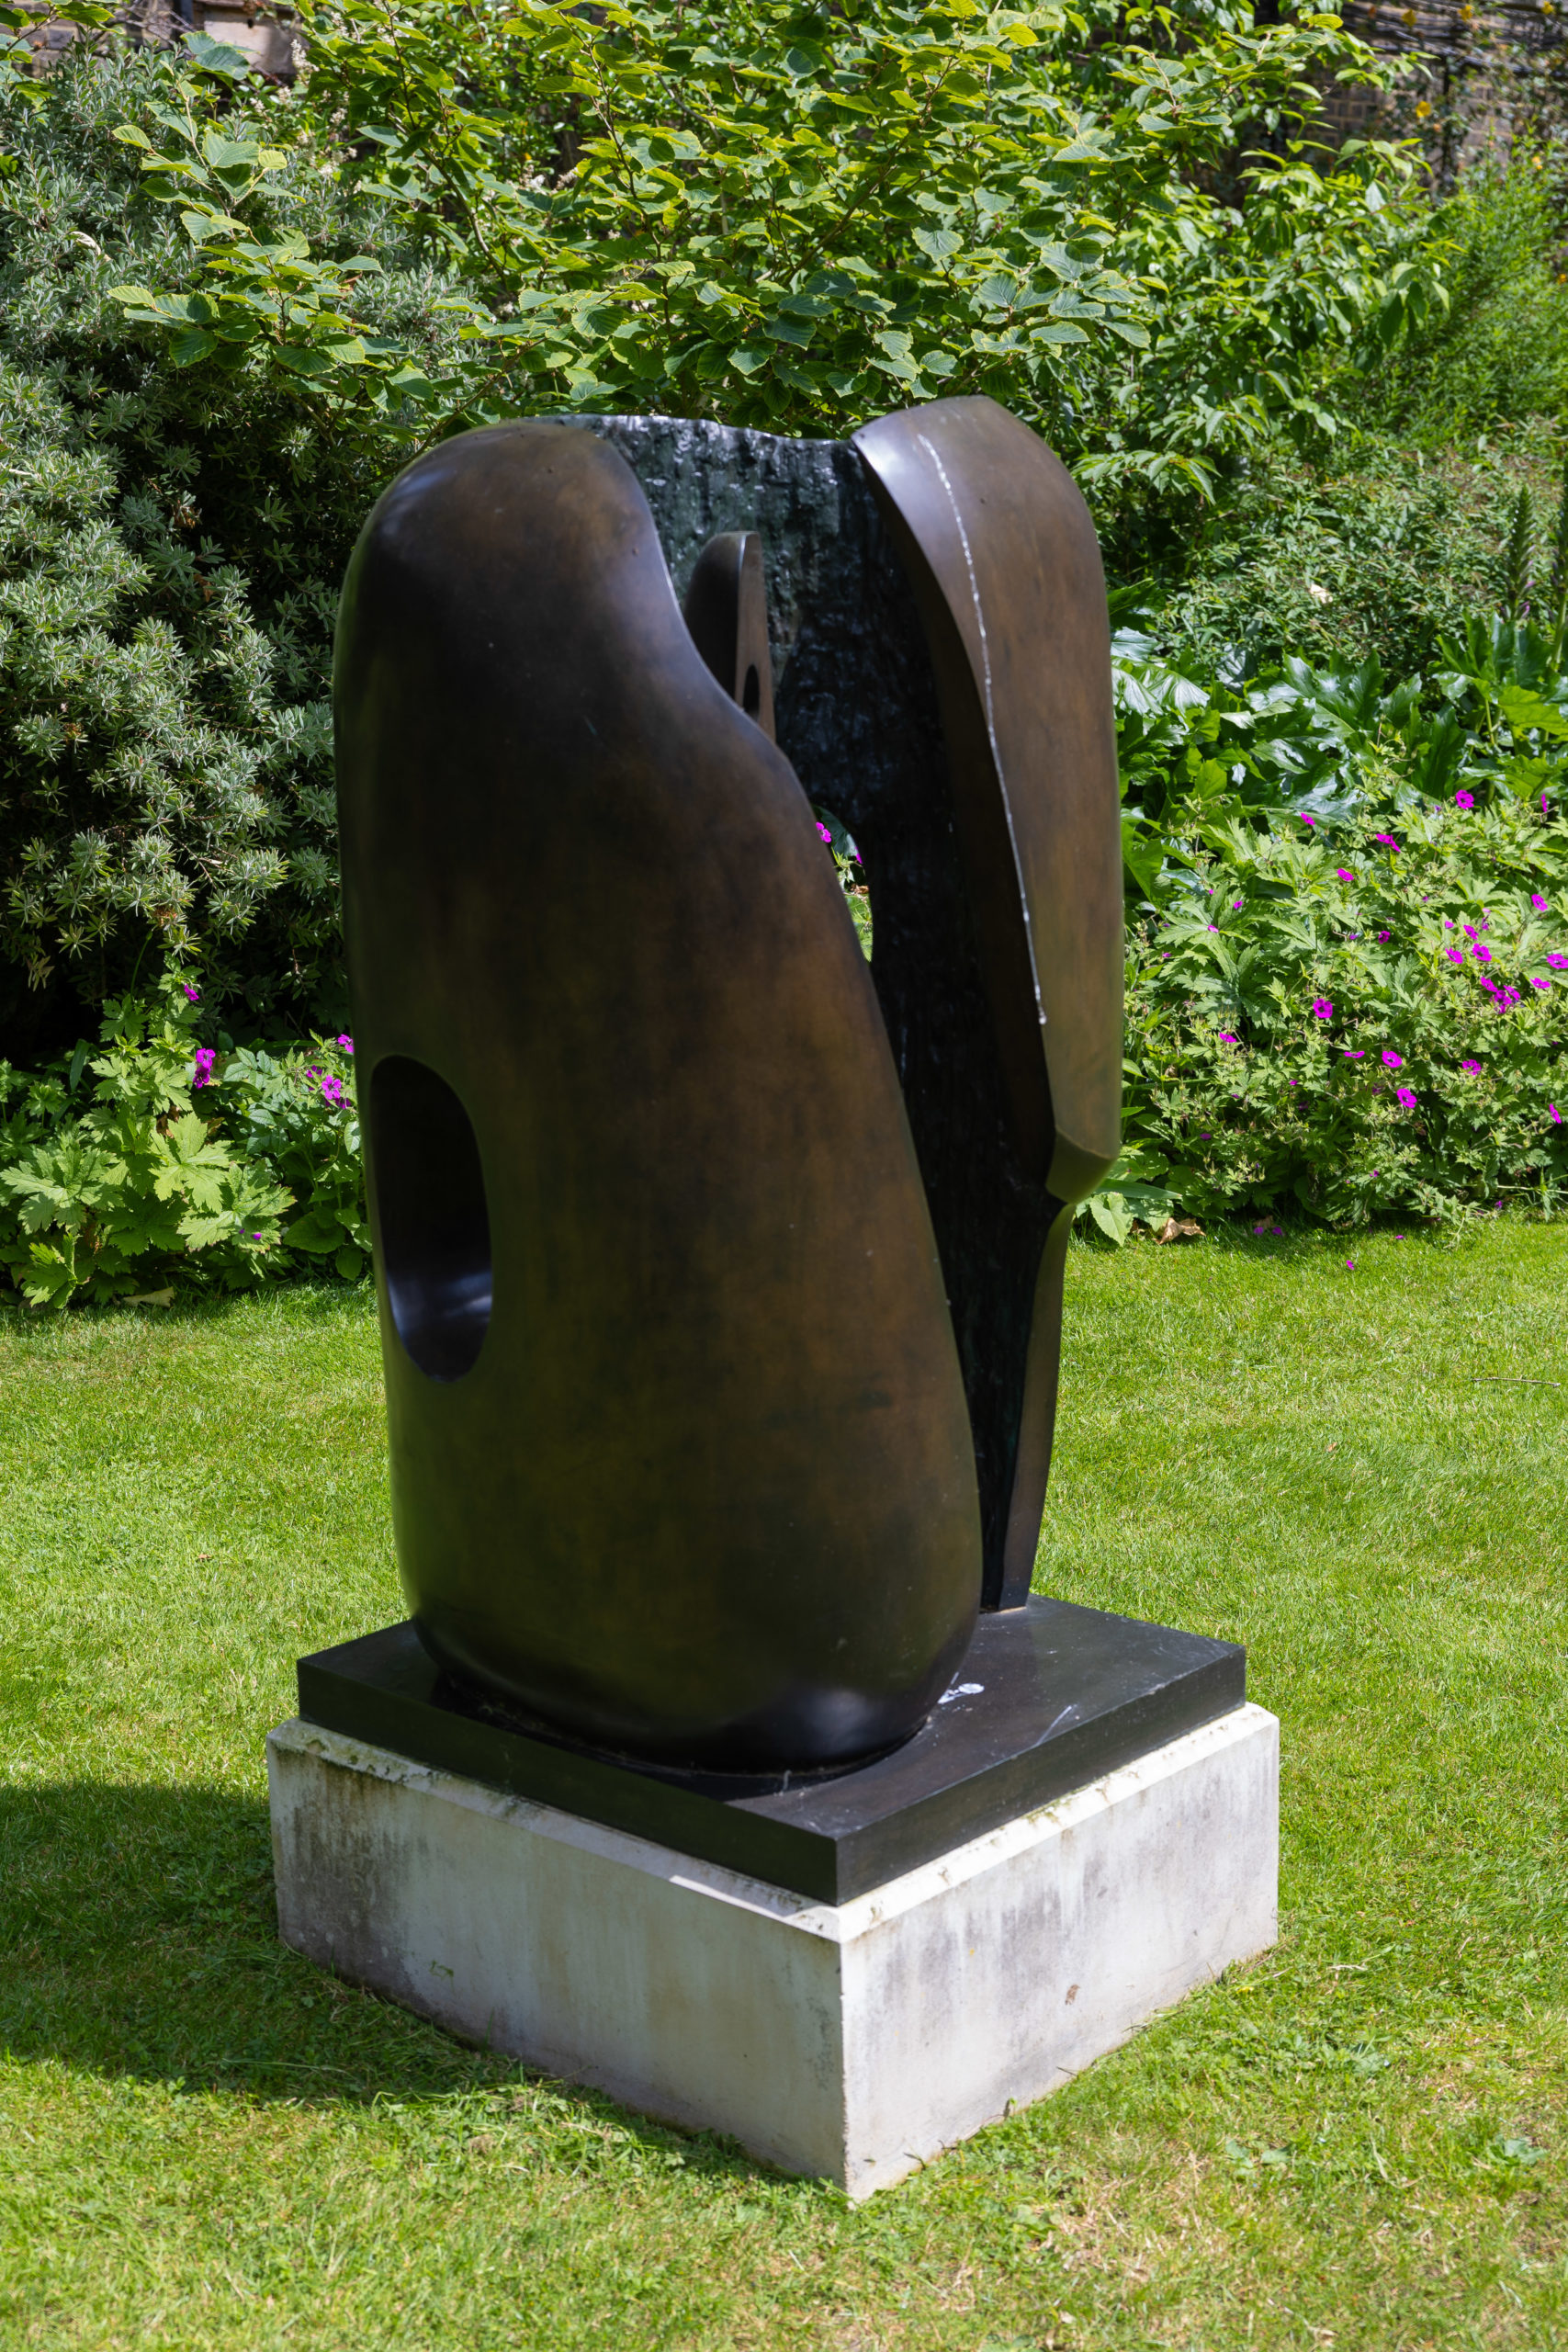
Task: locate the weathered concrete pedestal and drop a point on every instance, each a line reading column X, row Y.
column 853, row 2039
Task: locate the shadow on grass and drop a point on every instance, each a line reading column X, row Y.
column 138, row 1937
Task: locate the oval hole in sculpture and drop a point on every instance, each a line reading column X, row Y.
column 435, row 1225
column 751, row 692
column 853, row 882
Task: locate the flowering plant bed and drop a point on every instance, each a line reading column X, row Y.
column 158, row 1156
column 1374, row 1022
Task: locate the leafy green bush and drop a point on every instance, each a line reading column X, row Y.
column 796, row 217
column 1341, row 883
column 1384, row 552
column 227, row 313
column 180, row 1160
column 1358, row 1024
column 1498, row 353
column 171, row 544
column 1194, row 744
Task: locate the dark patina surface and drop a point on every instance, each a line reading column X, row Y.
column 988, row 825
column 722, row 1279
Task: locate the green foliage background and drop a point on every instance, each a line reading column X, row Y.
column 171, row 542
column 229, row 314
column 1300, row 397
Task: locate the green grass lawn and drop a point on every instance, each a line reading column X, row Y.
column 1359, row 2141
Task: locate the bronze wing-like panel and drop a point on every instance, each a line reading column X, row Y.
column 1005, row 566
column 681, row 1458
column 1007, row 573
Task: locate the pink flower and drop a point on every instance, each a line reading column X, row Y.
column 1542, row 906
column 1225, row 1037
column 347, row 1044
column 1343, row 874
column 1350, row 1265
column 1482, row 955
column 193, row 996
column 1509, row 996
column 1464, row 799
column 1556, row 1114
column 1309, row 821
column 822, row 829
column 1406, row 1100
column 1392, row 1060
column 1322, row 1008
column 1241, row 902
column 1454, row 955
column 1353, row 1053
column 332, row 1090
column 1538, row 984
column 1386, row 841
column 1474, row 1068
column 205, row 1057
column 1381, row 936
column 1558, row 963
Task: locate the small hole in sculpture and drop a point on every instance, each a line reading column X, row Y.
column 837, row 838
column 751, row 692
column 434, row 1224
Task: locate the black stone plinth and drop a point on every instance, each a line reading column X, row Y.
column 1065, row 1695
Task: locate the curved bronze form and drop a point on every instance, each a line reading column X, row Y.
column 720, row 1277
column 1005, row 566
column 727, row 612
column 681, row 1462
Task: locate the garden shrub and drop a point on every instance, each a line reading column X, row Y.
column 1498, row 353
column 227, row 315
column 1344, row 980
column 796, row 217
column 158, row 1157
column 1382, row 552
column 1357, row 1022
column 171, row 544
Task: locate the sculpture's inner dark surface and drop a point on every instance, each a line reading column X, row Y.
column 434, row 1224
column 856, row 715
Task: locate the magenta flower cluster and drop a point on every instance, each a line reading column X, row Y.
column 205, row 1058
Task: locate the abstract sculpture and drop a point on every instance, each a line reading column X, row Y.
column 721, row 1274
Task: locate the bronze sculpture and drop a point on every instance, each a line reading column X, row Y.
column 720, row 1274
